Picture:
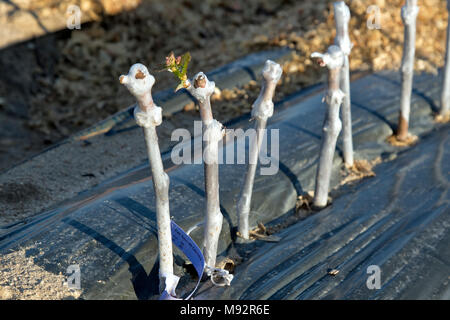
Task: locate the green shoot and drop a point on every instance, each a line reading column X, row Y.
column 178, row 66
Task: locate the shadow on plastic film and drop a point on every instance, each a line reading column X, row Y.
column 201, row 193
column 377, row 115
column 434, row 108
column 139, row 211
column 317, row 137
column 145, row 285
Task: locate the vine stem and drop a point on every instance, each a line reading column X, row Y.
column 147, row 115
column 202, row 89
column 445, row 95
column 262, row 110
column 409, row 14
column 342, row 18
column 333, row 59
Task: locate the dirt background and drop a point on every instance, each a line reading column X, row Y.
column 62, row 82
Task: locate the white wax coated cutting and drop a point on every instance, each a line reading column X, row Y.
column 263, row 107
column 409, row 13
column 138, row 81
column 332, row 59
column 171, row 282
column 149, row 118
column 262, row 110
column 334, row 97
column 272, row 71
column 200, row 93
column 213, row 131
column 342, row 17
column 212, row 135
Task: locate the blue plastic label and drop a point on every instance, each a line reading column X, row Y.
column 185, row 243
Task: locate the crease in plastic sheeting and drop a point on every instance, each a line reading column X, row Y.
column 185, row 243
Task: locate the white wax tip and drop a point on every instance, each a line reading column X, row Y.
column 213, row 131
column 138, row 80
column 409, row 13
column 342, row 17
column 262, row 109
column 332, row 59
column 272, row 71
column 149, row 118
column 201, row 93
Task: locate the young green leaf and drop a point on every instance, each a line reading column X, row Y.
column 178, row 66
column 185, row 59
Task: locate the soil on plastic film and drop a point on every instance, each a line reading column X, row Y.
column 58, row 84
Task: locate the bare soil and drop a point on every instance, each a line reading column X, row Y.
column 22, row 279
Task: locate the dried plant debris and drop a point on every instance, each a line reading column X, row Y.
column 442, row 118
column 226, row 263
column 305, row 201
column 304, row 205
column 83, row 88
column 333, row 272
column 259, row 232
column 361, row 169
column 263, row 233
column 410, row 140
